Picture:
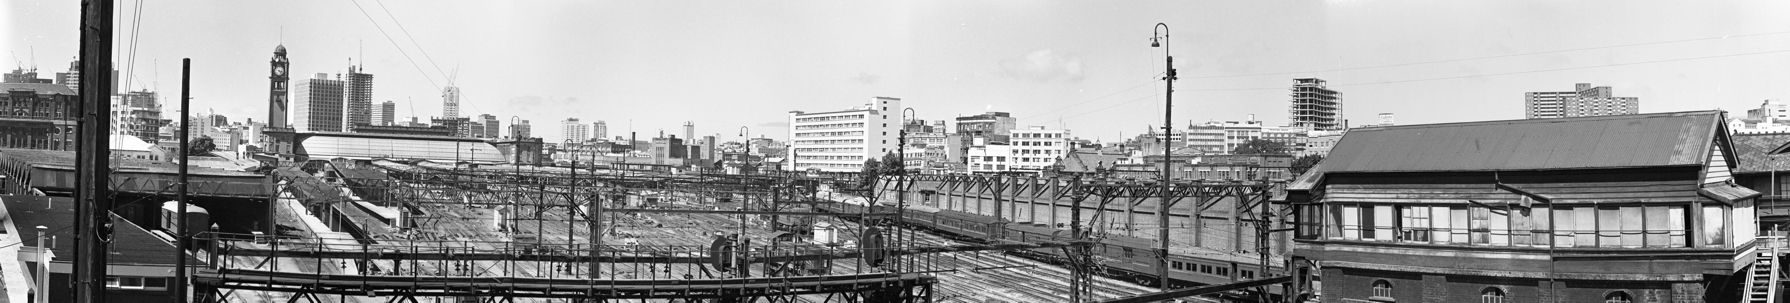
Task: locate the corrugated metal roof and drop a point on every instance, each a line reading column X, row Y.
column 1664, row 139
column 1753, row 152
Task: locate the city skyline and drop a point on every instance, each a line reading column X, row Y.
column 1079, row 66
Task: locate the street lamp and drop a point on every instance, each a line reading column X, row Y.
column 901, row 196
column 1159, row 38
column 747, row 133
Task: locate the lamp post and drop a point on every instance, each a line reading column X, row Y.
column 901, row 196
column 746, row 133
column 1159, row 38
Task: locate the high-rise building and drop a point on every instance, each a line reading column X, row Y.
column 388, row 112
column 689, row 130
column 520, row 130
column 277, row 103
column 1314, row 106
column 318, row 106
column 491, row 126
column 137, row 114
column 840, row 141
column 450, row 101
column 574, row 131
column 1585, row 100
column 357, row 99
column 72, row 78
column 474, row 129
column 600, row 129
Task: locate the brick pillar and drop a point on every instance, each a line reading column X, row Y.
column 1435, row 289
column 1687, row 292
column 1543, row 293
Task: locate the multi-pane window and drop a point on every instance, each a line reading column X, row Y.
column 1620, row 226
column 1618, row 297
column 1382, row 289
column 1414, row 223
column 1491, row 295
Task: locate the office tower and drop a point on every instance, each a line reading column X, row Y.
column 600, row 129
column 491, row 125
column 318, row 105
column 387, row 114
column 574, row 131
column 840, row 141
column 450, row 101
column 1315, row 107
column 357, row 99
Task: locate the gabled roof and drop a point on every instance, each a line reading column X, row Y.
column 1625, row 141
column 1759, row 153
column 1088, row 161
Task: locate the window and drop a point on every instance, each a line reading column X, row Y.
column 1618, row 297
column 1382, row 289
column 1351, row 222
column 1491, row 295
column 1713, row 222
column 1381, row 222
column 1478, row 225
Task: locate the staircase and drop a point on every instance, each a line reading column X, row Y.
column 1762, row 279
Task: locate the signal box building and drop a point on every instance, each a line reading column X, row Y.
column 1629, row 208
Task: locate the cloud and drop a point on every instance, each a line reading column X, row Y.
column 1044, row 66
column 866, row 78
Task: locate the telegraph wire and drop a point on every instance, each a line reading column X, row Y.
column 388, row 38
column 1488, row 57
column 419, row 46
column 1506, row 73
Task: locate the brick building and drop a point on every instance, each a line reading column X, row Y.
column 1629, row 208
column 37, row 116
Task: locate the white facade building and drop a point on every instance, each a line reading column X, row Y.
column 574, row 131
column 990, row 157
column 840, row 141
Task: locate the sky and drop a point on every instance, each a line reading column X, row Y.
column 649, row 66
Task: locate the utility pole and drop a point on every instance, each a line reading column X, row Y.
column 1168, row 129
column 93, row 199
column 180, row 231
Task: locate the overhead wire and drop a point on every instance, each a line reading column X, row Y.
column 1490, row 57
column 388, row 38
column 1508, row 73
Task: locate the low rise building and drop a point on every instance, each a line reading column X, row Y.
column 1627, row 208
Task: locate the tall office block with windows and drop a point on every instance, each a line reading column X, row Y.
column 840, row 141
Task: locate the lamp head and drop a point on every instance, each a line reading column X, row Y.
column 1154, row 43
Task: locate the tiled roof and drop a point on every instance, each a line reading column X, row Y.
column 1753, row 153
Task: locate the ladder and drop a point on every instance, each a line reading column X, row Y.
column 1762, row 278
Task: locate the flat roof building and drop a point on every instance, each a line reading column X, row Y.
column 840, row 141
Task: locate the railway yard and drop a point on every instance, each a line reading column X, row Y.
column 382, row 220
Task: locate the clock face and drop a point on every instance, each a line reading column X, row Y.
column 279, row 70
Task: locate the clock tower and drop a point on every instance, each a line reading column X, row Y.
column 277, row 137
column 277, row 103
